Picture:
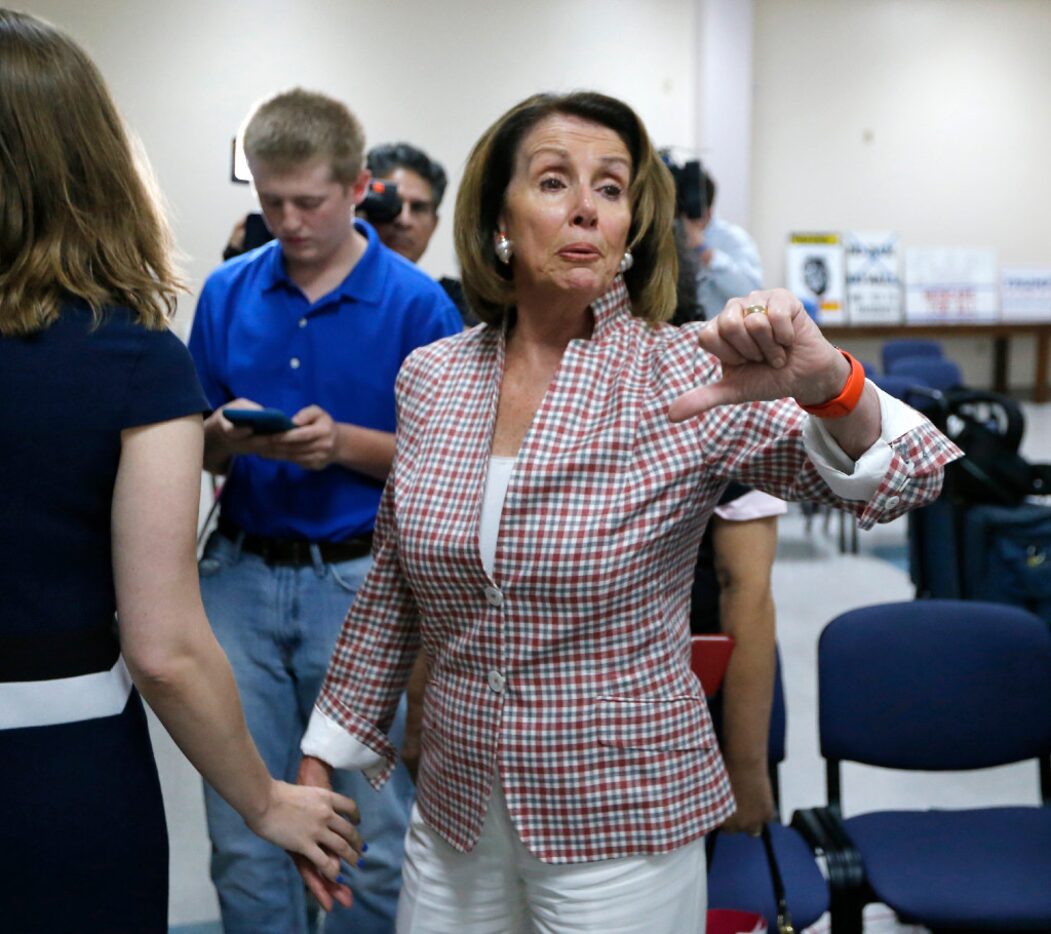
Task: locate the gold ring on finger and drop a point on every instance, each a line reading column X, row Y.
column 755, row 310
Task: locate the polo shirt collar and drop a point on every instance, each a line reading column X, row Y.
column 365, row 282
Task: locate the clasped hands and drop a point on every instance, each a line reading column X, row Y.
column 324, row 887
column 772, row 354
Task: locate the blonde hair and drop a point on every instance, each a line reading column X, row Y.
column 298, row 126
column 490, row 166
column 78, row 212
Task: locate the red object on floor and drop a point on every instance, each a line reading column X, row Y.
column 727, row 921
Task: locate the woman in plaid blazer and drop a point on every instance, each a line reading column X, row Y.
column 555, row 469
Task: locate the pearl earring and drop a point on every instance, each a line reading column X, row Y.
column 504, row 248
column 627, row 261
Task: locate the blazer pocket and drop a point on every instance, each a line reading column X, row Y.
column 668, row 723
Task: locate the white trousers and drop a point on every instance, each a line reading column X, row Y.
column 500, row 888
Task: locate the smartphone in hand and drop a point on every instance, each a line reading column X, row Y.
column 261, row 421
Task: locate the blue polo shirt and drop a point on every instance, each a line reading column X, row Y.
column 255, row 335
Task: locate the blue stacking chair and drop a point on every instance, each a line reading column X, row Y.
column 738, row 872
column 937, row 372
column 908, row 347
column 939, row 685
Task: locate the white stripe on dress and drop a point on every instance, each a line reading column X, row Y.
column 64, row 700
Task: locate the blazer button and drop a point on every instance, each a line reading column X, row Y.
column 493, row 596
column 496, row 682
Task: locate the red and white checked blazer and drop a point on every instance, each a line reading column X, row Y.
column 568, row 670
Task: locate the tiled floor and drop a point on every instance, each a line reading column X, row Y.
column 812, row 583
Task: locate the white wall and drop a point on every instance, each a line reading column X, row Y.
column 435, row 73
column 724, row 101
column 928, row 117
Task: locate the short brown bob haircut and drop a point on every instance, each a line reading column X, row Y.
column 300, row 126
column 78, row 212
column 487, row 282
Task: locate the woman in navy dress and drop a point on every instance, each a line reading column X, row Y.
column 100, row 463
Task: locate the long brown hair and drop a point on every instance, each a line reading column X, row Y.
column 78, row 212
column 487, row 283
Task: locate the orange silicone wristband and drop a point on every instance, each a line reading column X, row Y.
column 845, row 402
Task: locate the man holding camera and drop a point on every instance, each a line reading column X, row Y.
column 420, row 186
column 317, row 324
column 727, row 258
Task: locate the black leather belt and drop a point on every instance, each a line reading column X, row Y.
column 295, row 550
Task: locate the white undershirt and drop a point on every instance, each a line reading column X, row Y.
column 496, row 481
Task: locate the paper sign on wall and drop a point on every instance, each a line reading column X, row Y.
column 815, row 271
column 951, row 284
column 873, row 277
column 1025, row 294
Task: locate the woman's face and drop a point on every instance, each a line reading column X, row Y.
column 566, row 208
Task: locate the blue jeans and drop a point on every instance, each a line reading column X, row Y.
column 278, row 625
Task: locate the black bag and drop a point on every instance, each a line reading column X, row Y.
column 988, row 427
column 1006, row 556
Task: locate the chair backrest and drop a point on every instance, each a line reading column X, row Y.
column 900, row 386
column 909, row 347
column 936, row 372
column 935, row 685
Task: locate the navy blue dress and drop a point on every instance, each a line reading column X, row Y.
column 83, row 844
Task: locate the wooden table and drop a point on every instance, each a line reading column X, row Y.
column 1001, row 333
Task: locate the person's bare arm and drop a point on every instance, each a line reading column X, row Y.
column 744, row 554
column 174, row 659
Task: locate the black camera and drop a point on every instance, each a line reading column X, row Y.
column 381, row 204
column 690, row 198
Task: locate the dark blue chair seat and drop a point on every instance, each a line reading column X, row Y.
column 988, row 868
column 740, row 878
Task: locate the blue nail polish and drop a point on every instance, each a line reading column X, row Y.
column 361, row 863
column 341, row 880
column 364, row 848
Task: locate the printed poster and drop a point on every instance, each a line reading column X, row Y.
column 873, row 277
column 814, row 264
column 1025, row 294
column 951, row 284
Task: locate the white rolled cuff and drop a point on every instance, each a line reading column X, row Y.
column 327, row 740
column 858, row 480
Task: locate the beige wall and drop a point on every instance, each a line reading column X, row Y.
column 436, row 73
column 929, row 117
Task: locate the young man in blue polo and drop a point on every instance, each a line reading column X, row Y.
column 315, row 323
